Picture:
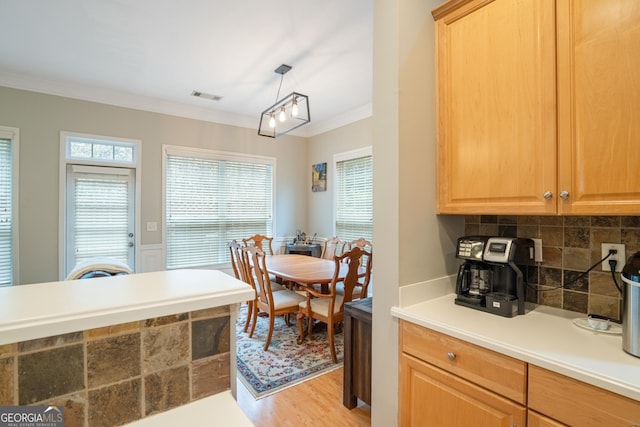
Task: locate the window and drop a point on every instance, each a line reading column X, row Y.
column 100, row 204
column 8, row 205
column 212, row 198
column 354, row 194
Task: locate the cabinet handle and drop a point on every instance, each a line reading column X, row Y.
column 451, row 356
column 547, row 195
column 564, row 195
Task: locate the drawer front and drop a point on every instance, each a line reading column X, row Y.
column 499, row 373
column 578, row 404
column 536, row 420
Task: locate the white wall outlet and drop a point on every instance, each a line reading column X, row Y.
column 537, row 247
column 152, row 226
column 619, row 256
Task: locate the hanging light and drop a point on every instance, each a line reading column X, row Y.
column 296, row 103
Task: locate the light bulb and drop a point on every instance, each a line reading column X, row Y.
column 294, row 108
column 272, row 121
column 282, row 117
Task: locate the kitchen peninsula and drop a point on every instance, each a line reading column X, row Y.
column 538, row 365
column 116, row 349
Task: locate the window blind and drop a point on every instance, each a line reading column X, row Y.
column 354, row 198
column 211, row 201
column 100, row 215
column 6, row 209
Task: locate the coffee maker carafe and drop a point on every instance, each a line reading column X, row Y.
column 492, row 276
column 474, row 275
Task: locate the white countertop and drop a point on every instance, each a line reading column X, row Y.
column 544, row 336
column 45, row 309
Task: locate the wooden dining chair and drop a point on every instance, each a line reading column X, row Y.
column 241, row 271
column 361, row 243
column 332, row 247
column 329, row 308
column 244, row 271
column 283, row 302
column 260, row 241
column 362, row 289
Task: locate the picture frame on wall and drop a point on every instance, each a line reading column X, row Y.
column 319, row 177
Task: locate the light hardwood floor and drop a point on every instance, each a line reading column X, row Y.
column 316, row 402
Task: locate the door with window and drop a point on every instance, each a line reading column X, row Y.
column 100, row 214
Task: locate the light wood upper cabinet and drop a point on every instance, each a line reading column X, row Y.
column 599, row 106
column 514, row 126
column 496, row 107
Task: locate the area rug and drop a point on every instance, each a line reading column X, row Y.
column 285, row 363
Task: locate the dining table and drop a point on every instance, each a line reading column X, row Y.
column 305, row 270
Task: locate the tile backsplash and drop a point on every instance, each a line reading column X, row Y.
column 570, row 245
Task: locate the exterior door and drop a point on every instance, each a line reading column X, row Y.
column 100, row 214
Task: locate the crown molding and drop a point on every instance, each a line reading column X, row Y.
column 145, row 103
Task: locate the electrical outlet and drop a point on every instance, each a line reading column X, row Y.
column 537, row 247
column 619, row 256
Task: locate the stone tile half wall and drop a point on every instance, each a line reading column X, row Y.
column 114, row 375
column 570, row 245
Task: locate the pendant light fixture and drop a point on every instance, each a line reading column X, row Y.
column 286, row 114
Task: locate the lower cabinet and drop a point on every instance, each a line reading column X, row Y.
column 430, row 396
column 445, row 381
column 538, row 420
column 579, row 404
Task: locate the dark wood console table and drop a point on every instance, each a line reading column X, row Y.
column 357, row 352
column 311, row 249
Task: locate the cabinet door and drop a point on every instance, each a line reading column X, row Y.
column 599, row 106
column 496, row 106
column 430, row 396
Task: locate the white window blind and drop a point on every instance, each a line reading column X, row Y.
column 100, row 211
column 6, row 212
column 211, row 201
column 354, row 198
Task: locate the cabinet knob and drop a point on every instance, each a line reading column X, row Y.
column 564, row 195
column 547, row 195
column 451, row 356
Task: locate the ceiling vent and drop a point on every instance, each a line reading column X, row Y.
column 205, row 95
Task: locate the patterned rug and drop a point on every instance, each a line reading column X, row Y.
column 285, row 363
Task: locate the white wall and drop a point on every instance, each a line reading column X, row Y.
column 413, row 245
column 40, row 119
column 321, row 149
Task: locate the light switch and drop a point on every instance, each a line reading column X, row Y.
column 152, row 226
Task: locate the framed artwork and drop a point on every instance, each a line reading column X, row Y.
column 319, row 177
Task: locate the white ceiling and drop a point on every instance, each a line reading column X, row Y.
column 151, row 54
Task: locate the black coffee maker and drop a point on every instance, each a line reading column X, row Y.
column 492, row 276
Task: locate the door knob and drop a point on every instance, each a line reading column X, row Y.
column 451, row 356
column 547, row 195
column 564, row 195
